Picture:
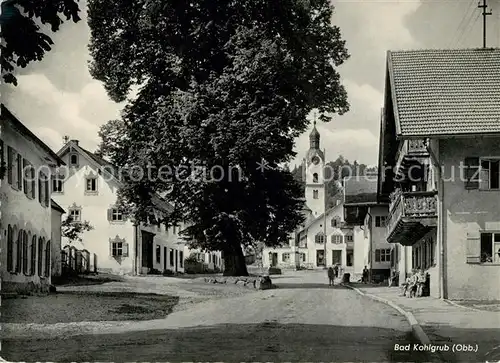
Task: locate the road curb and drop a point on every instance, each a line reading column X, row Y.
column 415, row 325
column 464, row 307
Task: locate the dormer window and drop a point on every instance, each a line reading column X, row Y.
column 73, row 159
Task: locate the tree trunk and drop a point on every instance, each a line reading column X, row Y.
column 234, row 262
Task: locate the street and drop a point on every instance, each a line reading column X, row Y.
column 302, row 320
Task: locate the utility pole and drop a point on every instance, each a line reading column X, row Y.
column 484, row 6
column 325, row 206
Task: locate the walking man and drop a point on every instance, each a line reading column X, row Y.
column 331, row 276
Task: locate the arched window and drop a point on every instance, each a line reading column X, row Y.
column 33, row 256
column 319, row 238
column 315, row 177
column 10, row 249
column 19, row 251
column 25, row 252
column 47, row 259
column 315, row 194
column 40, row 256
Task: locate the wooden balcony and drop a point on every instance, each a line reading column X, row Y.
column 413, row 152
column 411, row 216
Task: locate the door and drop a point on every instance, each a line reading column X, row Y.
column 176, row 259
column 165, row 251
column 274, row 259
column 147, row 249
column 320, row 258
column 350, row 257
column 337, row 257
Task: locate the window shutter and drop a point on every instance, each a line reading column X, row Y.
column 33, row 182
column 473, row 248
column 110, row 214
column 25, row 177
column 10, row 162
column 125, row 250
column 40, row 189
column 47, row 191
column 471, row 173
column 377, row 255
column 110, row 248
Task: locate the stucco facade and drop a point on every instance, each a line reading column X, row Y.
column 25, row 210
column 120, row 245
column 56, row 236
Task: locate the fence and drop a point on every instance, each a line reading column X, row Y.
column 77, row 261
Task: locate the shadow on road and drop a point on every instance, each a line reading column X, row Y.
column 286, row 285
column 226, row 342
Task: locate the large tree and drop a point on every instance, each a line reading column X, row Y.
column 224, row 88
column 23, row 40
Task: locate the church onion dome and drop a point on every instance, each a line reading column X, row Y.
column 314, row 138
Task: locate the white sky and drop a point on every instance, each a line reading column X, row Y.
column 57, row 96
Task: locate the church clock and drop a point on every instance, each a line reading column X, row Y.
column 315, row 160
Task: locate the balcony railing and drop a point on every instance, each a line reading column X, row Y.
column 412, row 150
column 417, row 147
column 408, row 210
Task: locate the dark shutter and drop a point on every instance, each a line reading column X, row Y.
column 125, row 250
column 20, row 176
column 25, row 177
column 377, row 255
column 10, row 162
column 471, row 173
column 110, row 214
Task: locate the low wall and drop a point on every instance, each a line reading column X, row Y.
column 26, row 287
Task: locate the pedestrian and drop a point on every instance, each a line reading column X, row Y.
column 336, row 270
column 364, row 277
column 331, row 276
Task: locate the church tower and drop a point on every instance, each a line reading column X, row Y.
column 314, row 175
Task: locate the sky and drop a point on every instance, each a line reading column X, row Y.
column 58, row 97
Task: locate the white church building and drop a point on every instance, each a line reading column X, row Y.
column 324, row 239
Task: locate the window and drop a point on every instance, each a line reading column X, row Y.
column 171, row 257
column 73, row 160
column 315, row 194
column 337, row 238
column 57, row 184
column 76, row 214
column 285, row 257
column 91, row 185
column 490, row 247
column 315, row 177
column 335, row 222
column 10, row 249
column 489, row 174
column 33, row 256
column 181, row 258
column 25, row 253
column 158, row 254
column 47, row 259
column 303, row 257
column 40, row 256
column 380, row 221
column 349, row 238
column 319, row 238
column 43, row 190
column 11, row 171
column 115, row 215
column 383, row 255
column 116, row 249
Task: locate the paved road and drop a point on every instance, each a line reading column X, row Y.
column 302, row 320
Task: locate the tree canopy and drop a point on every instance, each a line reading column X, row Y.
column 224, row 89
column 23, row 40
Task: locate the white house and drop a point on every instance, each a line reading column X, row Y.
column 26, row 220
column 87, row 189
column 368, row 218
column 56, row 236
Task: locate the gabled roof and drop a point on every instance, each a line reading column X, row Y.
column 104, row 165
column 445, row 92
column 320, row 217
column 360, row 190
column 7, row 115
column 56, row 206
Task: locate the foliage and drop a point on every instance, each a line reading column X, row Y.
column 223, row 88
column 73, row 230
column 341, row 168
column 23, row 41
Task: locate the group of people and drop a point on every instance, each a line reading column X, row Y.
column 333, row 273
column 415, row 284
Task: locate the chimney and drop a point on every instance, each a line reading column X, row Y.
column 75, row 142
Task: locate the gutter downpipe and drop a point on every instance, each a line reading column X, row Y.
column 440, row 187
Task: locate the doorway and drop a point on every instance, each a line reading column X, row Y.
column 273, row 259
column 350, row 257
column 147, row 249
column 337, row 257
column 320, row 258
column 165, row 250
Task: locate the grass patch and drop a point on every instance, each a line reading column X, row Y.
column 69, row 307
